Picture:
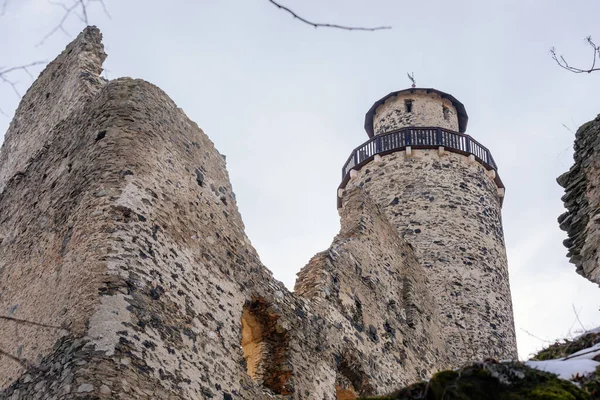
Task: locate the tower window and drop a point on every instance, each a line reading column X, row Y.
column 446, row 112
column 408, row 105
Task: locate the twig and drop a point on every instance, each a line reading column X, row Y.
column 317, row 25
column 560, row 60
column 24, row 363
column 578, row 320
column 60, row 27
column 535, row 337
column 81, row 5
column 567, row 128
column 84, row 11
column 578, row 355
column 13, row 84
column 26, row 322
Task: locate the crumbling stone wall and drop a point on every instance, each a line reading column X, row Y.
column 582, row 201
column 65, row 85
column 125, row 270
column 448, row 209
column 427, row 109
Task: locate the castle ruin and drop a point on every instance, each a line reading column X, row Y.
column 125, row 272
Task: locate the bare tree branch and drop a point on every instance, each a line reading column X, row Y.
column 319, row 25
column 578, row 320
column 26, row 322
column 78, row 8
column 6, row 71
column 560, row 60
column 24, row 363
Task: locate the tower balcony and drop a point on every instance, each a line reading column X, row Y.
column 419, row 138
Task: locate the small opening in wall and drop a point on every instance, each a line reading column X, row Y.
column 408, row 105
column 446, row 112
column 350, row 382
column 265, row 344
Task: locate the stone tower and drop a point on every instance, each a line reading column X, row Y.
column 441, row 191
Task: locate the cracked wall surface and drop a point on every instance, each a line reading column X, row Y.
column 582, row 201
column 125, row 270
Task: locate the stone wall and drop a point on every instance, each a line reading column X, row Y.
column 448, row 209
column 125, row 271
column 582, row 201
column 428, row 109
column 65, row 85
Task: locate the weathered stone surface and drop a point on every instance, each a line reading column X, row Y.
column 448, row 209
column 582, row 201
column 125, row 271
column 65, row 85
column 426, row 109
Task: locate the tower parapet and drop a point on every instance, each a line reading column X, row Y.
column 440, row 189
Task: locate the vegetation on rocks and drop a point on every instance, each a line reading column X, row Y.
column 512, row 380
column 567, row 347
column 494, row 381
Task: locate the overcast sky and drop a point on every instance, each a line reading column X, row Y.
column 286, row 103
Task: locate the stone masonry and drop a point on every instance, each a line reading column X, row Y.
column 125, row 272
column 582, row 201
column 447, row 206
column 426, row 109
column 449, row 211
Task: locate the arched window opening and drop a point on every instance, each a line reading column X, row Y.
column 265, row 344
column 408, row 105
column 351, row 382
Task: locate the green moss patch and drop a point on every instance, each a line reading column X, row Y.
column 494, row 381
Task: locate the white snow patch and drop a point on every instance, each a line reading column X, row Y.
column 565, row 369
column 579, row 363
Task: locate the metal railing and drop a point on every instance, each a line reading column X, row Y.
column 418, row 138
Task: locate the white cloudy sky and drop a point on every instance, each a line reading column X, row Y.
column 286, row 102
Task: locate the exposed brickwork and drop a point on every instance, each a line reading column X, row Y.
column 582, row 200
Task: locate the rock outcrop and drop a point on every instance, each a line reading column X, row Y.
column 582, row 200
column 125, row 271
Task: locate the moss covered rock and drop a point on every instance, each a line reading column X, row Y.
column 494, row 381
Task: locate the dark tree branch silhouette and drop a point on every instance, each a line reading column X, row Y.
column 78, row 8
column 562, row 62
column 6, row 79
column 324, row 25
column 5, row 72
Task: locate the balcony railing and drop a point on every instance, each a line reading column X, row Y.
column 419, row 138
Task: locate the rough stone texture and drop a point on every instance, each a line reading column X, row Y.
column 65, row 85
column 582, row 200
column 125, row 271
column 449, row 211
column 427, row 110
